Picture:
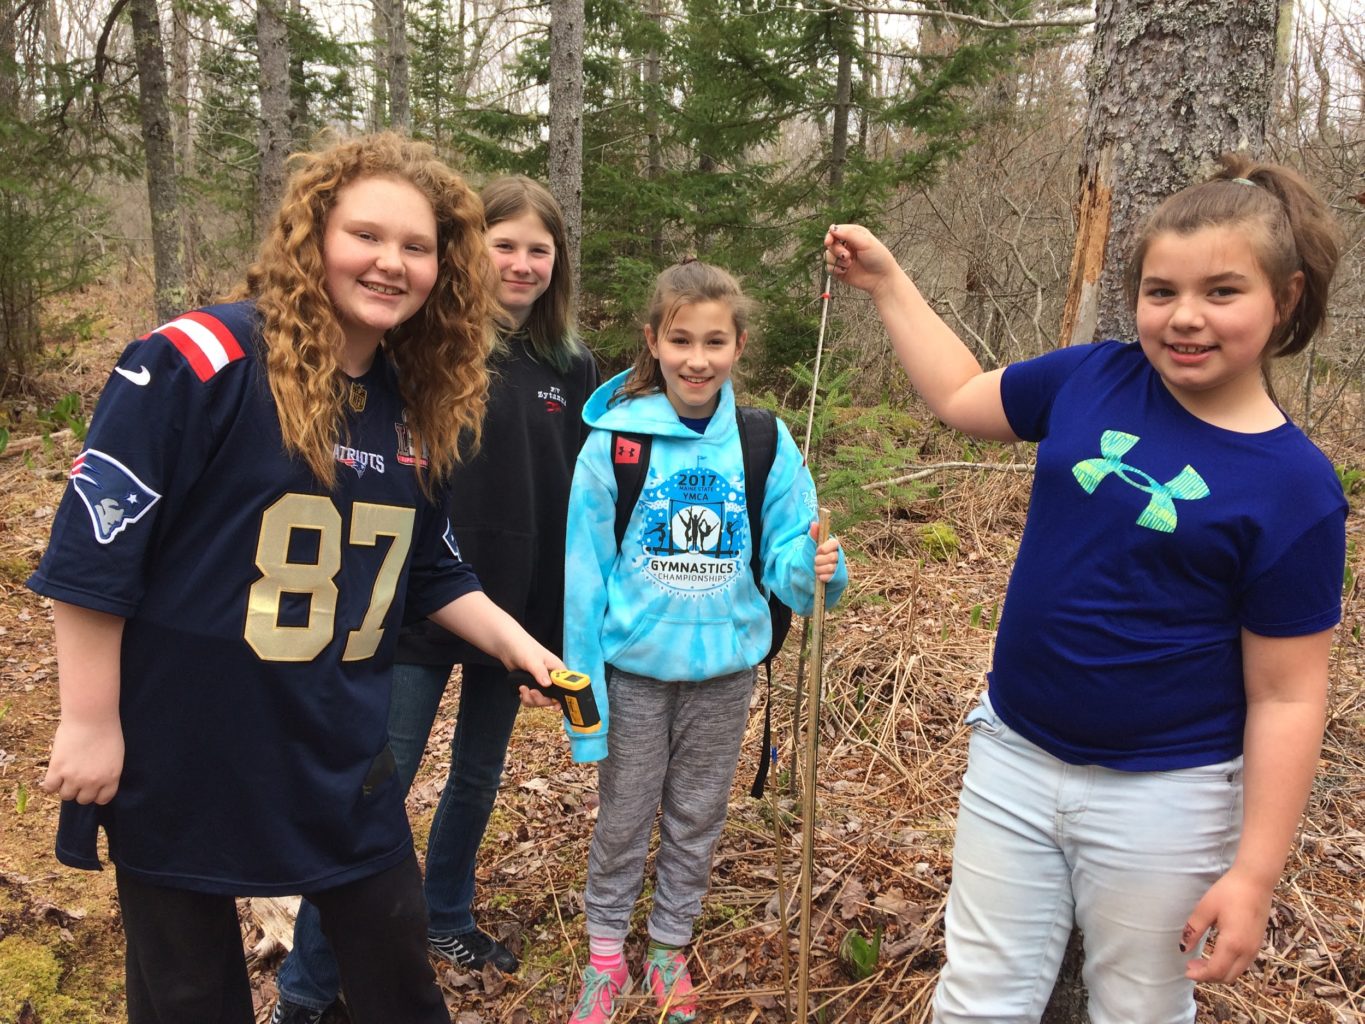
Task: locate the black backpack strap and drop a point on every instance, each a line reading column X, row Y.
column 758, row 441
column 630, row 463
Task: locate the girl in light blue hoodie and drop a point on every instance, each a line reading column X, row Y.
column 671, row 626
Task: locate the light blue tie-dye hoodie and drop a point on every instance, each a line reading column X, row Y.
column 679, row 600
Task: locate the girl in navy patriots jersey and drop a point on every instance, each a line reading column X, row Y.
column 258, row 508
column 1155, row 706
column 508, row 505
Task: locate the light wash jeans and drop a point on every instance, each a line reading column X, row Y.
column 483, row 726
column 1042, row 844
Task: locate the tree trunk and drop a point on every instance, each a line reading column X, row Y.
column 181, row 70
column 298, row 85
column 9, row 63
column 379, row 100
column 844, row 43
column 272, row 45
column 1173, row 84
column 400, row 102
column 162, row 190
column 655, row 168
column 566, row 121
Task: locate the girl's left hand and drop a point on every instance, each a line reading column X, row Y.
column 1238, row 907
column 826, row 555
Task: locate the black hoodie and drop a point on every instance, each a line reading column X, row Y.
column 508, row 502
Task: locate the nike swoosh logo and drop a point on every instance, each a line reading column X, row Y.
column 142, row 378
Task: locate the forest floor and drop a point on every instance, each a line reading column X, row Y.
column 905, row 656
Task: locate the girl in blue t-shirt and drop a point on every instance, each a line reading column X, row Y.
column 670, row 624
column 1155, row 706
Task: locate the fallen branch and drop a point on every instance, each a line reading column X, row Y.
column 923, row 471
column 25, row 444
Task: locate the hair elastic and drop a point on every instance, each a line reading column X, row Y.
column 1244, row 181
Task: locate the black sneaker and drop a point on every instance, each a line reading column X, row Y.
column 474, row 949
column 286, row 1012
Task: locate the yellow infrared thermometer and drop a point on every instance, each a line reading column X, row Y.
column 573, row 691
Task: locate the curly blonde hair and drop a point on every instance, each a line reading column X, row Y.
column 440, row 351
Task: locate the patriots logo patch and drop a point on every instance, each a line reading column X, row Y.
column 113, row 495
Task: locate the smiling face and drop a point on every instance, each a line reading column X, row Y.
column 1205, row 310
column 523, row 252
column 379, row 259
column 696, row 351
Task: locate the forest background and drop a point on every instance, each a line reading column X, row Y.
column 142, row 143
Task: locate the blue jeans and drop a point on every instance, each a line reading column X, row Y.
column 1042, row 843
column 483, row 725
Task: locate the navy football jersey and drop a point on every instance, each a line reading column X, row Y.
column 262, row 611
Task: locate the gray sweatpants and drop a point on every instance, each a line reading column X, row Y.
column 673, row 745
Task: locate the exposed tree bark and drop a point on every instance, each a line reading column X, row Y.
column 566, row 121
column 1173, row 84
column 162, row 191
column 272, row 47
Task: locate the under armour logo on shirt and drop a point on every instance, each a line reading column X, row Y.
column 627, row 451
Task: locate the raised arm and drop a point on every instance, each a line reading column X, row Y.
column 940, row 367
column 87, row 751
column 1286, row 688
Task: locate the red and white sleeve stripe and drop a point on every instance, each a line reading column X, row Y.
column 202, row 339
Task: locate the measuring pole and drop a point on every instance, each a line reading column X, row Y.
column 817, row 650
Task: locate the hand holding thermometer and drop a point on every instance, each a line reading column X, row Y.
column 573, row 691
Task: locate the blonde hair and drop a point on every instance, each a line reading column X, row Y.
column 683, row 284
column 440, row 351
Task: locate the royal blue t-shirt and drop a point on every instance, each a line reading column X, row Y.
column 1153, row 538
column 262, row 612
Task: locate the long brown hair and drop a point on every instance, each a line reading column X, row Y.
column 550, row 323
column 683, row 284
column 440, row 351
column 1287, row 223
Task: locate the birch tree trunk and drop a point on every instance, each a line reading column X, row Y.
column 1173, row 84
column 566, row 122
column 272, row 46
column 159, row 143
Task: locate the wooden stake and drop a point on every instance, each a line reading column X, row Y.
column 817, row 651
column 785, row 935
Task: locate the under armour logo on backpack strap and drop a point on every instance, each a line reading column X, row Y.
column 626, row 451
